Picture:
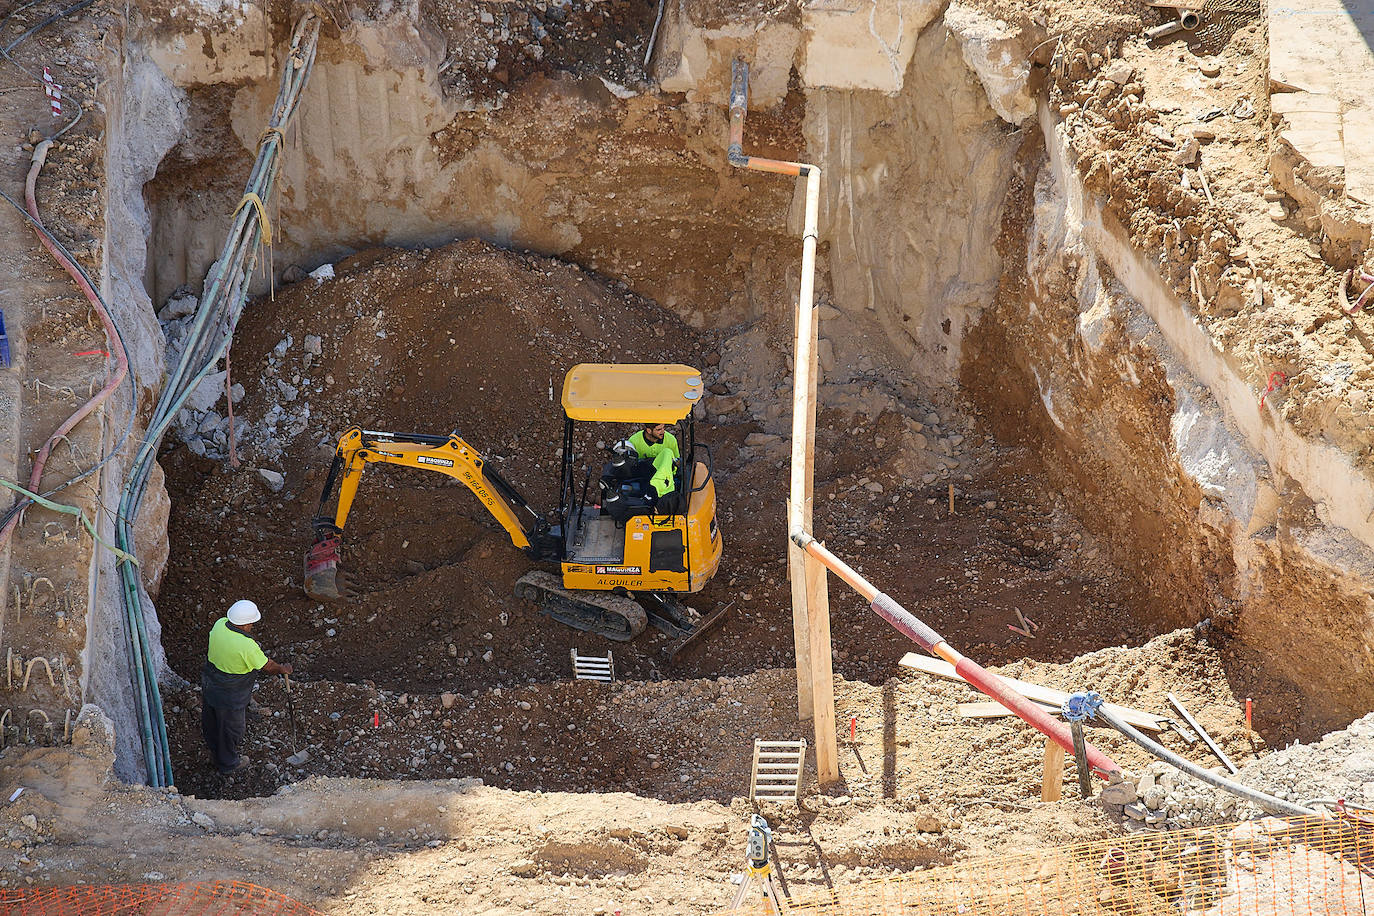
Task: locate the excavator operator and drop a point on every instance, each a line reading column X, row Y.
column 658, row 452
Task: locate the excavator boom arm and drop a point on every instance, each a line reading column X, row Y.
column 448, row 455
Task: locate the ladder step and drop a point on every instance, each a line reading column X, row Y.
column 593, row 667
column 777, row 770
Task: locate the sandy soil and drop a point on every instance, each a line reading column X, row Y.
column 398, row 682
column 920, row 787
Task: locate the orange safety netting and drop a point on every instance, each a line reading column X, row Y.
column 1272, row 867
column 207, row 898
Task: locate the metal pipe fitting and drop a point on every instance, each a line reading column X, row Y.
column 1187, row 21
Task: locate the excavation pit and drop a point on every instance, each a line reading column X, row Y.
column 475, row 338
column 1078, row 282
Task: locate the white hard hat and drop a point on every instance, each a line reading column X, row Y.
column 241, row 612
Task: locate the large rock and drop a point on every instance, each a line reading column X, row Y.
column 862, row 44
column 698, row 43
column 207, row 393
column 996, row 52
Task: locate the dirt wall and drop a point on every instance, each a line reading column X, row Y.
column 913, row 199
column 145, row 114
column 634, row 185
column 1225, row 517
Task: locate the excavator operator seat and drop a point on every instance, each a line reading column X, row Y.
column 625, row 490
column 625, row 501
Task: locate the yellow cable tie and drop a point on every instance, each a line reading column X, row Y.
column 256, row 201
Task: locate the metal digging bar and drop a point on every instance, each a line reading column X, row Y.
column 221, row 304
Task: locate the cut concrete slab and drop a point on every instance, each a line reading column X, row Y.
column 1326, row 49
column 1311, row 124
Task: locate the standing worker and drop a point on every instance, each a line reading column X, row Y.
column 226, row 683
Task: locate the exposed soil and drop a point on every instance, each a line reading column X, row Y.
column 57, row 356
column 435, row 613
column 436, row 672
column 494, row 45
column 1180, row 147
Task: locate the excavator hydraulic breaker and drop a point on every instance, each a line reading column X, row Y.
column 324, row 581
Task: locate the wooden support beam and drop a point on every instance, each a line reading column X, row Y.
column 1046, row 696
column 991, row 709
column 822, row 677
column 1052, row 776
column 801, row 638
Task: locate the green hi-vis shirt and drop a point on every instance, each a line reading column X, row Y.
column 233, row 651
column 664, row 455
column 651, row 450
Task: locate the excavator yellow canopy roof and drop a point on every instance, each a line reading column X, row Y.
column 630, row 393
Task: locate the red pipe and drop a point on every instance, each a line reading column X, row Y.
column 972, row 672
column 995, row 687
column 40, row 154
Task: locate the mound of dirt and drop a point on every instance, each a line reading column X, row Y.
column 467, row 337
column 681, row 741
column 473, row 336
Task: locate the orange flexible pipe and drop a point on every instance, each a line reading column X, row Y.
column 972, row 672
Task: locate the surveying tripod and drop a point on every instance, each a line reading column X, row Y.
column 756, row 868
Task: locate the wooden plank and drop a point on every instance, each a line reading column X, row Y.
column 991, row 709
column 822, row 678
column 1046, row 696
column 1202, row 733
column 801, row 644
column 1052, row 776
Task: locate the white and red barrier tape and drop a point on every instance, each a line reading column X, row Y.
column 53, row 92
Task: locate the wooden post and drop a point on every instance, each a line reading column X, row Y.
column 1052, row 778
column 822, row 677
column 801, row 641
column 1080, row 757
column 817, row 593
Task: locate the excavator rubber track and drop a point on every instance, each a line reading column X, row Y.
column 607, row 614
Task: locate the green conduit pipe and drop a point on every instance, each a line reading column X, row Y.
column 221, row 304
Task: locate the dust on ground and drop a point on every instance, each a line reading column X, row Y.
column 920, row 787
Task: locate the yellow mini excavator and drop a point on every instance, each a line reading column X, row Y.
column 625, row 553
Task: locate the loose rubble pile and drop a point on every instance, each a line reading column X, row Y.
column 1340, row 765
column 200, row 423
column 495, row 46
column 205, row 430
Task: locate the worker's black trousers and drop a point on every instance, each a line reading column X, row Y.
column 223, row 730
